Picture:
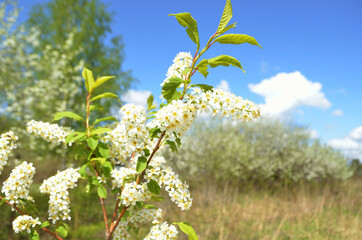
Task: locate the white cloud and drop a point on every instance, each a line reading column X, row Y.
column 224, row 85
column 337, row 113
column 285, row 92
column 350, row 145
column 136, row 97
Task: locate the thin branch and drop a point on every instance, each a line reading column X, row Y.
column 23, row 213
column 103, row 206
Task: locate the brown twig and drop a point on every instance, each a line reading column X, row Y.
column 23, row 213
column 103, row 206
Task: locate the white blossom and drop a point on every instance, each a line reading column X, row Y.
column 162, row 231
column 57, row 186
column 25, row 222
column 7, row 144
column 16, row 187
column 50, row 132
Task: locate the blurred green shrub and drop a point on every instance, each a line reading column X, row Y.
column 262, row 150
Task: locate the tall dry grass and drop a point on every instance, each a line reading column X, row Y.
column 304, row 211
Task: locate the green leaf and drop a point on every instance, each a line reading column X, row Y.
column 44, row 224
column 82, row 170
column 60, row 115
column 149, row 102
column 99, row 159
column 147, row 152
column 102, row 80
column 103, row 150
column 110, row 118
column 92, row 143
column 74, row 136
column 172, row 144
column 226, row 16
column 186, row 20
column 154, row 132
column 33, row 235
column 102, row 191
column 107, row 169
column 237, row 39
column 169, row 88
column 2, row 201
column 153, row 186
column 96, row 107
column 89, row 80
column 62, row 231
column 100, row 130
column 150, row 206
column 188, row 229
column 227, row 28
column 224, row 60
column 203, row 87
column 141, row 164
column 104, row 95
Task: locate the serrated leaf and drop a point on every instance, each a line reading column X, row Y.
column 103, row 150
column 100, row 130
column 186, row 20
column 102, row 80
column 188, row 229
column 227, row 28
column 104, row 95
column 107, row 168
column 226, row 16
column 62, row 231
column 89, row 80
column 92, row 143
column 237, row 39
column 169, row 89
column 60, row 115
column 149, row 102
column 224, row 60
column 203, row 87
column 141, row 164
column 102, row 191
column 74, row 136
column 154, row 132
column 110, row 118
column 153, row 186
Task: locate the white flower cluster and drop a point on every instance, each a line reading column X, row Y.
column 130, row 135
column 119, row 175
column 180, row 62
column 167, row 178
column 162, row 232
column 57, row 186
column 25, row 222
column 50, row 132
column 146, row 215
column 138, row 217
column 16, row 187
column 177, row 117
column 225, row 104
column 7, row 144
column 121, row 233
column 133, row 192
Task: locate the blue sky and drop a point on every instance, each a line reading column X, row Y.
column 309, row 70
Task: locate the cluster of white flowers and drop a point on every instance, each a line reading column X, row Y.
column 16, row 187
column 167, row 178
column 121, row 233
column 119, row 175
column 180, row 62
column 162, row 231
column 25, row 222
column 133, row 192
column 177, row 117
column 146, row 215
column 50, row 132
column 130, row 135
column 57, row 186
column 7, row 144
column 225, row 104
